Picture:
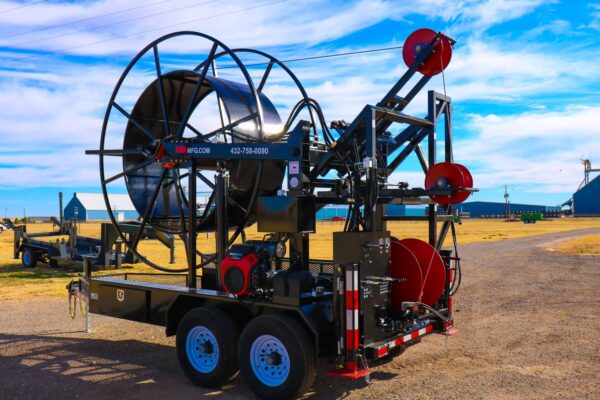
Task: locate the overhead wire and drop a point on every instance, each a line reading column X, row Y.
column 62, row 50
column 64, row 24
column 17, row 45
column 7, row 10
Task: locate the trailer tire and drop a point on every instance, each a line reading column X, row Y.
column 29, row 257
column 214, row 363
column 289, row 369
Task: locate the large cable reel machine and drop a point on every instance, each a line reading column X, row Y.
column 164, row 156
column 239, row 124
column 164, row 112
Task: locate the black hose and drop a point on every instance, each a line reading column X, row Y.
column 435, row 312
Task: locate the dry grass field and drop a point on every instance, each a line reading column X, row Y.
column 19, row 283
column 584, row 246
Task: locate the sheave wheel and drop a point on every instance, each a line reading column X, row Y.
column 29, row 258
column 277, row 357
column 206, row 343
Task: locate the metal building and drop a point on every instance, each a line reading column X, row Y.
column 586, row 201
column 479, row 209
column 395, row 210
column 91, row 206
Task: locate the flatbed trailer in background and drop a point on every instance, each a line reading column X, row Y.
column 65, row 247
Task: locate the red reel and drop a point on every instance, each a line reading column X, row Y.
column 404, row 267
column 421, row 272
column 437, row 61
column 449, row 174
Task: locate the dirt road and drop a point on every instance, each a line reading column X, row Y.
column 529, row 321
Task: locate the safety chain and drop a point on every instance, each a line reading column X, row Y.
column 73, row 304
column 365, row 366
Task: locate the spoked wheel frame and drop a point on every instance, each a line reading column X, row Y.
column 153, row 153
column 272, row 61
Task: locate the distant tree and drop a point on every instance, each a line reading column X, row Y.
column 26, row 220
column 17, row 221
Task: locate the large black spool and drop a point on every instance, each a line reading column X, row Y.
column 238, row 103
column 156, row 186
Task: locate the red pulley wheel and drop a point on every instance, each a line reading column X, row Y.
column 406, row 269
column 437, row 61
column 449, row 174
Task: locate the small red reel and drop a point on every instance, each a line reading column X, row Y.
column 432, row 269
column 437, row 61
column 420, row 272
column 447, row 174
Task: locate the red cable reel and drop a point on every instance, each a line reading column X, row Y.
column 439, row 58
column 449, row 175
column 418, row 270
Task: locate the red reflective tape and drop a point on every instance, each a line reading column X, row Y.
column 429, row 328
column 382, row 351
column 352, row 339
column 351, row 299
column 399, row 341
column 415, row 334
column 181, row 149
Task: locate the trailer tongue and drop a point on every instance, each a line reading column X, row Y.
column 264, row 306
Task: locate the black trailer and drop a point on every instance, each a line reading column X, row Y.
column 66, row 244
column 265, row 307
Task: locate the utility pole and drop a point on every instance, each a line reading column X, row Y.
column 506, row 202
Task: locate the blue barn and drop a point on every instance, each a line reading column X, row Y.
column 91, row 206
column 586, row 201
column 479, row 209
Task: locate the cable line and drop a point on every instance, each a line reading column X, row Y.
column 21, row 6
column 83, row 19
column 330, row 55
column 147, row 30
column 18, row 45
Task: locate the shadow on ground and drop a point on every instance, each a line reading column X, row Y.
column 55, row 366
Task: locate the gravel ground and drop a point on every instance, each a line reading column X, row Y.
column 529, row 322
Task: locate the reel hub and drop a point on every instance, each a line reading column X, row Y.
column 416, row 43
column 449, row 175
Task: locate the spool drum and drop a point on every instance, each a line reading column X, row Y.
column 420, row 271
column 238, row 103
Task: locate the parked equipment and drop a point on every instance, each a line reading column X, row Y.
column 66, row 244
column 264, row 306
column 7, row 224
column 531, row 217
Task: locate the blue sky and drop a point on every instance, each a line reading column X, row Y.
column 524, row 81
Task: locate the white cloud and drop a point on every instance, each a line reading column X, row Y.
column 55, row 105
column 538, row 150
column 477, row 16
column 238, row 23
